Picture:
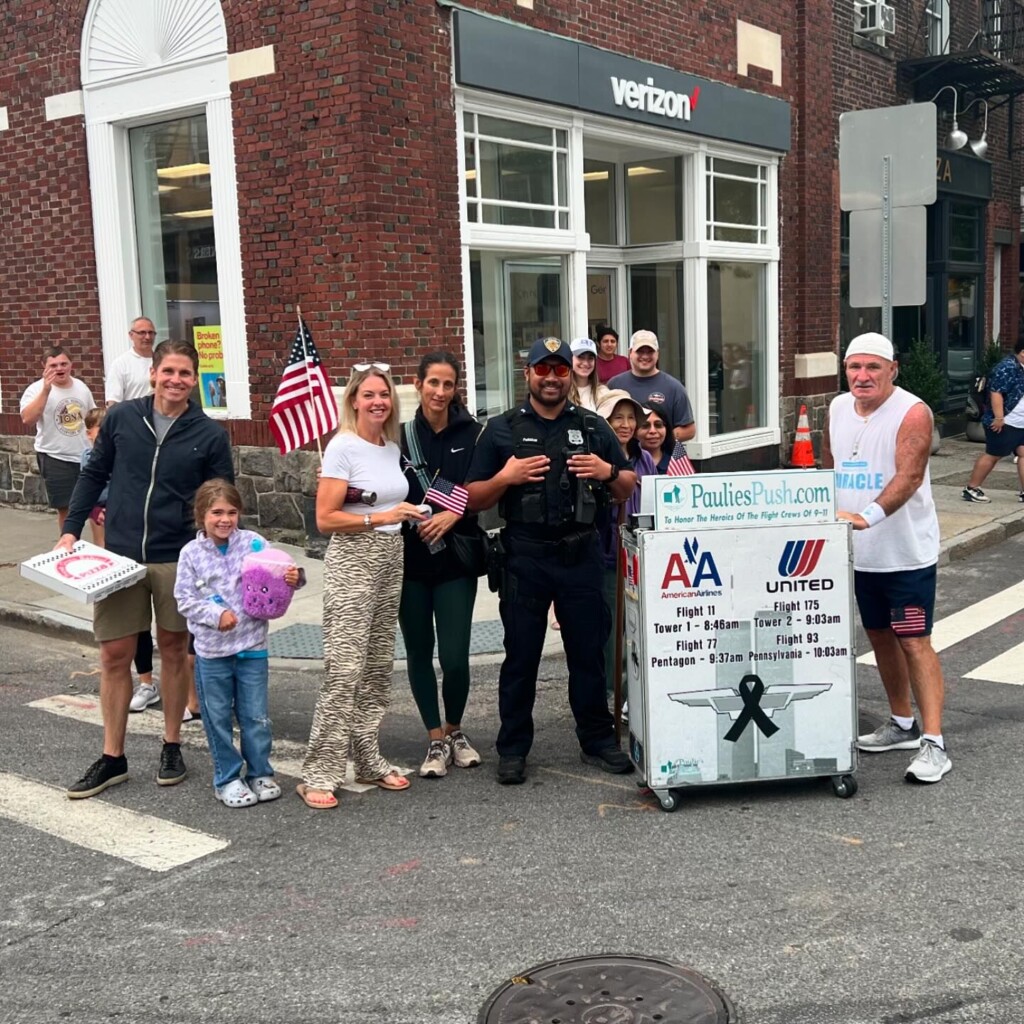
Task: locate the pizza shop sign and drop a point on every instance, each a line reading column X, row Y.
column 648, row 97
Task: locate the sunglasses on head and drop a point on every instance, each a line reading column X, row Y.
column 361, row 367
column 558, row 369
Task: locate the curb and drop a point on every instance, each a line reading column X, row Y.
column 50, row 623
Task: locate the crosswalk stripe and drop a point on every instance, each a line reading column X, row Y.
column 286, row 757
column 151, row 843
column 1007, row 668
column 973, row 619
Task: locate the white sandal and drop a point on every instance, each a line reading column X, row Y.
column 236, row 794
column 265, row 788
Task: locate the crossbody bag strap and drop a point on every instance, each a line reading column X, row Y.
column 412, row 442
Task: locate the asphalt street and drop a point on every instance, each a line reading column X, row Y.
column 901, row 904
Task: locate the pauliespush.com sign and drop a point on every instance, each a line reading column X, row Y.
column 780, row 497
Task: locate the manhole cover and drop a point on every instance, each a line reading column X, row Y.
column 608, row 990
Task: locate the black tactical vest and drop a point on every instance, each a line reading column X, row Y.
column 559, row 500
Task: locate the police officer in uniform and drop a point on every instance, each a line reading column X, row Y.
column 550, row 465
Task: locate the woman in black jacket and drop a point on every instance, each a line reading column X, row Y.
column 438, row 586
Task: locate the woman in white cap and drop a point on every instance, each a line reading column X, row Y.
column 586, row 390
column 623, row 415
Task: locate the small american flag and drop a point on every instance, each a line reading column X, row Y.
column 448, row 495
column 679, row 464
column 908, row 621
column 304, row 407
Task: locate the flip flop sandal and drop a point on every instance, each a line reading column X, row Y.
column 317, row 799
column 392, row 781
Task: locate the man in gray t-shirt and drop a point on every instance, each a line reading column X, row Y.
column 646, row 383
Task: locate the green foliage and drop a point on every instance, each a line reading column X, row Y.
column 992, row 354
column 921, row 375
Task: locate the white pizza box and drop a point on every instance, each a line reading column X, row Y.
column 86, row 573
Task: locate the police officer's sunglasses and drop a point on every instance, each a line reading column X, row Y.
column 361, row 367
column 558, row 369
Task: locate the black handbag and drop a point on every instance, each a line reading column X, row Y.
column 470, row 550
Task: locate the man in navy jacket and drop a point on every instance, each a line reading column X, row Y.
column 152, row 453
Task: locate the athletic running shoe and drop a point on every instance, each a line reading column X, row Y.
column 145, row 695
column 975, row 494
column 1020, row 495
column 889, row 736
column 99, row 776
column 463, row 753
column 439, row 756
column 931, row 763
column 191, row 716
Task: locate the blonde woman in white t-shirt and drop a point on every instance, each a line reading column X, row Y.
column 586, row 390
column 362, row 588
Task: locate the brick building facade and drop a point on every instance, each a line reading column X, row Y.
column 421, row 175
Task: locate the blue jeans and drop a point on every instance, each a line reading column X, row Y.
column 239, row 686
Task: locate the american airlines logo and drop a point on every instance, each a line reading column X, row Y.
column 653, row 99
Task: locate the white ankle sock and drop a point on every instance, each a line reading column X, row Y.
column 904, row 723
column 937, row 740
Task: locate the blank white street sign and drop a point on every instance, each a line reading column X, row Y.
column 909, row 243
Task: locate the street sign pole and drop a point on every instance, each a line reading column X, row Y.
column 887, row 245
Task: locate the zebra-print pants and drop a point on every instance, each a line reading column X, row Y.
column 362, row 588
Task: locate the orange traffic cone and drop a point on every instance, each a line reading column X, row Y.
column 803, row 450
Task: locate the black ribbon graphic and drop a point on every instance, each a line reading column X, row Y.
column 751, row 696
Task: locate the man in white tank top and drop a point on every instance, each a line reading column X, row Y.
column 878, row 438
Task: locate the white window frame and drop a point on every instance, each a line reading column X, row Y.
column 695, row 251
column 937, row 14
column 116, row 102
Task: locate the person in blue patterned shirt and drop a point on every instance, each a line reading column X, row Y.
column 1003, row 421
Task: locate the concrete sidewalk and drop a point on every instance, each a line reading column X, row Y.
column 965, row 528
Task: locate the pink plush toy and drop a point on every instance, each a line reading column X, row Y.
column 265, row 594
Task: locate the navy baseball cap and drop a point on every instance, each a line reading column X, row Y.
column 544, row 348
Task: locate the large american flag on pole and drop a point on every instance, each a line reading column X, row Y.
column 304, row 407
column 679, row 463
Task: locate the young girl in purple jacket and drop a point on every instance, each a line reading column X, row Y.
column 231, row 646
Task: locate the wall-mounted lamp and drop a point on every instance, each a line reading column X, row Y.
column 956, row 139
column 980, row 146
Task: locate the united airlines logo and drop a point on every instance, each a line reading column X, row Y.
column 800, row 558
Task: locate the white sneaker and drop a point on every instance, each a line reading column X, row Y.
column 931, row 763
column 439, row 756
column 463, row 753
column 145, row 695
column 265, row 788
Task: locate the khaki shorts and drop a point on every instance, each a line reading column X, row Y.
column 133, row 609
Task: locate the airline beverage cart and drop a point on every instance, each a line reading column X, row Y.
column 739, row 632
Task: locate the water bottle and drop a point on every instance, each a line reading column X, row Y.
column 435, row 546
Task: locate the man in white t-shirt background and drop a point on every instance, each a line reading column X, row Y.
column 128, row 376
column 56, row 405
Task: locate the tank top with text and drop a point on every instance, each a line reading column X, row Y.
column 864, row 454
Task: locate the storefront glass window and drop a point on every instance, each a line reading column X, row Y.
column 515, row 173
column 654, row 201
column 516, row 300
column 656, row 304
column 174, row 224
column 599, row 201
column 964, row 233
column 736, row 201
column 737, row 349
column 962, row 332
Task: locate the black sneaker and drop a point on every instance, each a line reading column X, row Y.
column 511, row 770
column 975, row 494
column 609, row 759
column 99, row 776
column 172, row 767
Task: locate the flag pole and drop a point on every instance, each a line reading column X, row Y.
column 309, row 378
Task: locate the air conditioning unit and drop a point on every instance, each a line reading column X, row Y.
column 876, row 18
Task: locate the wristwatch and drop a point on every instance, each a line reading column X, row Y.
column 367, row 521
column 614, row 475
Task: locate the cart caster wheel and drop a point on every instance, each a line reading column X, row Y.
column 669, row 801
column 844, row 786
